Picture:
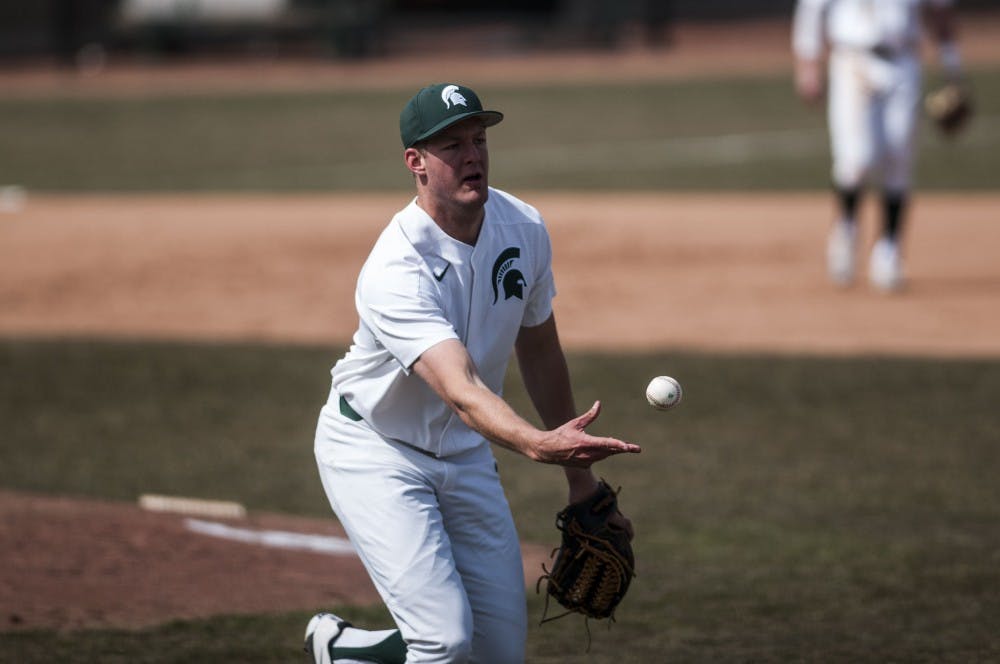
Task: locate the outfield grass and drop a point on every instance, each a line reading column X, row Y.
column 713, row 134
column 792, row 508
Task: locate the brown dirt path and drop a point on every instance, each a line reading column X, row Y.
column 74, row 564
column 717, row 272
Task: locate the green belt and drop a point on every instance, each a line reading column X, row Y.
column 351, row 414
column 347, row 411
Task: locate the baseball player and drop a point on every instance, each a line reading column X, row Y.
column 873, row 86
column 458, row 280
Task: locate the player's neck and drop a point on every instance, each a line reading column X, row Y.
column 460, row 222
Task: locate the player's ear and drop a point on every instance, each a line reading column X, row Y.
column 414, row 160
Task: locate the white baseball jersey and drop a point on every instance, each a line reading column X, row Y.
column 874, row 83
column 894, row 25
column 418, row 287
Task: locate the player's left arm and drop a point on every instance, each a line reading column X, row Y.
column 545, row 373
column 546, row 378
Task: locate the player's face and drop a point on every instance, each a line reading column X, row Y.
column 457, row 163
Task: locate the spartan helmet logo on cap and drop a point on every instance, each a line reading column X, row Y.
column 506, row 276
column 452, row 97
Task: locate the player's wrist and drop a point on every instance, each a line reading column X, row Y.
column 950, row 58
column 582, row 483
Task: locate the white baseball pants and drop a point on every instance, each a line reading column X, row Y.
column 436, row 537
column 873, row 110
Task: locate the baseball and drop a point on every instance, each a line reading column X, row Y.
column 663, row 393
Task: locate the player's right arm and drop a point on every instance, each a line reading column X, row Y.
column 451, row 373
column 808, row 48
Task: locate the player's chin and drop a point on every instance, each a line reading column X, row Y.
column 474, row 192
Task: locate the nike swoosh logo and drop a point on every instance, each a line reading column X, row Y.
column 439, row 277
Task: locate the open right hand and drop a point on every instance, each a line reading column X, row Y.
column 571, row 445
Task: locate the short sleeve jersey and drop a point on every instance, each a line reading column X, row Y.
column 419, row 287
column 860, row 24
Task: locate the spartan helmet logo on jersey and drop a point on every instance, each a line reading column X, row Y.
column 506, row 277
column 452, row 97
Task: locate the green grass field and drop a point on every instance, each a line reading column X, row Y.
column 740, row 133
column 791, row 509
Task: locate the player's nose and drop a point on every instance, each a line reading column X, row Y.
column 472, row 152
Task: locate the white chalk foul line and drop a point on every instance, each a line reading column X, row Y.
column 280, row 539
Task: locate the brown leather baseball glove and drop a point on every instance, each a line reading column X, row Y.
column 949, row 107
column 594, row 564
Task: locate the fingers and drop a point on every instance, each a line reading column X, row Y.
column 618, row 447
column 583, row 421
column 577, row 448
column 610, row 445
column 629, row 448
column 595, row 449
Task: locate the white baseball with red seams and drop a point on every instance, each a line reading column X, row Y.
column 663, row 392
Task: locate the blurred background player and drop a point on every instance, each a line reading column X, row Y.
column 873, row 88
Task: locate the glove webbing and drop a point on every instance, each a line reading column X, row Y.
column 605, row 591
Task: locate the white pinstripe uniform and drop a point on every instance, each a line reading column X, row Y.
column 874, row 82
column 416, row 489
column 873, row 112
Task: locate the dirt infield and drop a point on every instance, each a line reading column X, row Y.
column 72, row 564
column 718, row 272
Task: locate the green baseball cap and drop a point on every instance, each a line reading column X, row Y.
column 439, row 106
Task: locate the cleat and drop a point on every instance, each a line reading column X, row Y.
column 840, row 251
column 885, row 269
column 321, row 632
